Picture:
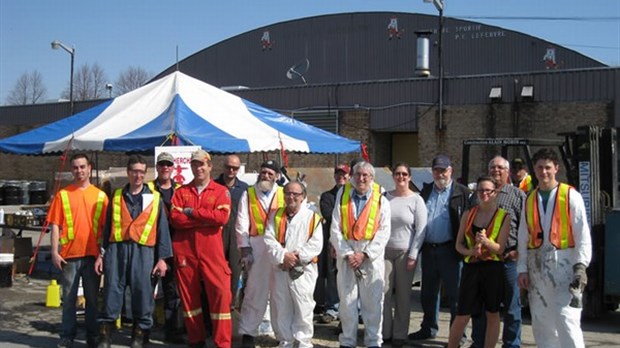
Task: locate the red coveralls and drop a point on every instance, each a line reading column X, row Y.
column 199, row 256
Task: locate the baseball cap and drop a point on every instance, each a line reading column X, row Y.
column 342, row 168
column 271, row 164
column 442, row 162
column 201, row 156
column 165, row 157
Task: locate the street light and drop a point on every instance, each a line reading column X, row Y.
column 71, row 50
column 439, row 4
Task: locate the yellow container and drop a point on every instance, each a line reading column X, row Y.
column 52, row 298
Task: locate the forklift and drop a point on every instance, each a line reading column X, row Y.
column 590, row 161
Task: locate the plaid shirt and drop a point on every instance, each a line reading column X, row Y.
column 510, row 198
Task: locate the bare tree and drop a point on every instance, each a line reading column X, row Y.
column 89, row 83
column 131, row 79
column 29, row 89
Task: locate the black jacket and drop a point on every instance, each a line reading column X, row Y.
column 459, row 203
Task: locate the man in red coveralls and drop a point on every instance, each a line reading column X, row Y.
column 199, row 210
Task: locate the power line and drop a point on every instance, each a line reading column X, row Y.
column 545, row 18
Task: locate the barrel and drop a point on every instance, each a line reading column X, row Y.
column 25, row 193
column 6, row 270
column 12, row 192
column 38, row 192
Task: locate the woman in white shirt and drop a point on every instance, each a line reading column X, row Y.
column 409, row 216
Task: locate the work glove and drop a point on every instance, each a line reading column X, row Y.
column 580, row 278
column 246, row 258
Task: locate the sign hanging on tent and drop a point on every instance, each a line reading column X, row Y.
column 181, row 170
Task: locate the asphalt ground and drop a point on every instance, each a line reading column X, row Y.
column 26, row 322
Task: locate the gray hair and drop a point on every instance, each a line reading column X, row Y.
column 506, row 163
column 366, row 166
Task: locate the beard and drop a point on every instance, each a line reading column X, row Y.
column 442, row 183
column 265, row 185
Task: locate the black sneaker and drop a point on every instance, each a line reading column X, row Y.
column 421, row 335
column 247, row 341
column 65, row 343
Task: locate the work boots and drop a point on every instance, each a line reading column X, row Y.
column 247, row 341
column 138, row 337
column 105, row 335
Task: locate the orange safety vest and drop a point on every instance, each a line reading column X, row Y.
column 492, row 232
column 281, row 223
column 142, row 230
column 526, row 184
column 258, row 215
column 69, row 234
column 367, row 223
column 561, row 233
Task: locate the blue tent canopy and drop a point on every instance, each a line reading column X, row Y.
column 178, row 105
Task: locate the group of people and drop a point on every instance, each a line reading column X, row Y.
column 357, row 251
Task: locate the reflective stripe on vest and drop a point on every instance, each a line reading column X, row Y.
column 151, row 185
column 258, row 215
column 367, row 222
column 66, row 207
column 526, row 184
column 561, row 229
column 117, row 235
column 492, row 232
column 281, row 223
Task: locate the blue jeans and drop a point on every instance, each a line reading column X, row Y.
column 511, row 336
column 83, row 267
column 331, row 289
column 440, row 265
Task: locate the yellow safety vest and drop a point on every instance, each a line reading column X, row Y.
column 561, row 233
column 526, row 184
column 122, row 228
column 258, row 215
column 492, row 231
column 66, row 207
column 367, row 222
column 281, row 223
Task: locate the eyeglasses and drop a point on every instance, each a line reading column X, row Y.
column 294, row 194
column 401, row 174
column 498, row 167
column 137, row 172
column 165, row 164
column 486, row 192
column 233, row 168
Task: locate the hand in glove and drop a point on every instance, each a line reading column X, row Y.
column 246, row 258
column 580, row 278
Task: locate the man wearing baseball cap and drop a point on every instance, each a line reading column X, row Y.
column 259, row 201
column 326, row 291
column 446, row 200
column 199, row 211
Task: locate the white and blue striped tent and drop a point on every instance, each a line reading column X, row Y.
column 180, row 106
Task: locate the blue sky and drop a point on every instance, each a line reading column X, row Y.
column 117, row 34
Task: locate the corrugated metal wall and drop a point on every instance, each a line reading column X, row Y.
column 356, row 47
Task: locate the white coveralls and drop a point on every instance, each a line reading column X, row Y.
column 292, row 302
column 369, row 289
column 257, row 286
column 554, row 322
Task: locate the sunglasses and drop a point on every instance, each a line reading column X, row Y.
column 233, row 168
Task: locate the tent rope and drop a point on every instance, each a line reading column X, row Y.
column 63, row 161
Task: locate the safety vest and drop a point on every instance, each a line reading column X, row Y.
column 258, row 215
column 561, row 233
column 281, row 223
column 367, row 222
column 492, row 232
column 153, row 188
column 69, row 234
column 526, row 184
column 142, row 230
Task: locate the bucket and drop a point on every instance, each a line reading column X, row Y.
column 6, row 270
